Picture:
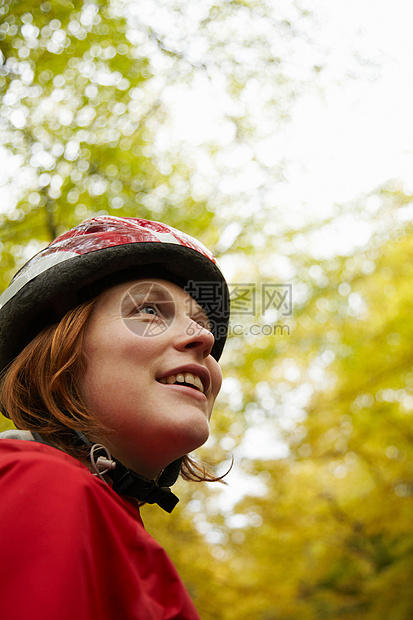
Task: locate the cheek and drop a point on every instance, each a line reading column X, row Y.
column 216, row 378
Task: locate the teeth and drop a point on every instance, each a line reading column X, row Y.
column 198, row 384
column 189, row 378
column 186, row 377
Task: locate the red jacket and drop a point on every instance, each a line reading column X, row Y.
column 71, row 549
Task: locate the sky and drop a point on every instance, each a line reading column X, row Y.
column 357, row 133
column 349, row 133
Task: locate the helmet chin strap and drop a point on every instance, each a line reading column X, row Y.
column 128, row 482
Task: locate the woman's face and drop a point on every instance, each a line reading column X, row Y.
column 149, row 374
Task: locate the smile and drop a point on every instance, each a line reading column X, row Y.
column 185, row 378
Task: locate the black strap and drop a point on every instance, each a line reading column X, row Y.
column 127, row 482
column 170, row 474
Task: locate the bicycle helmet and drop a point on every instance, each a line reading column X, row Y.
column 97, row 253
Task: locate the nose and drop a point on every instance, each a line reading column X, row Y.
column 192, row 335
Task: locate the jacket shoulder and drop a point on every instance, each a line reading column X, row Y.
column 34, row 456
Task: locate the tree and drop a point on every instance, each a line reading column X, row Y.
column 85, row 92
column 331, row 537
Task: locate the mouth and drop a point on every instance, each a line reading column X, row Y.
column 187, row 379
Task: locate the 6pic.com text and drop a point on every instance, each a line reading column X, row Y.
column 259, row 330
column 239, row 329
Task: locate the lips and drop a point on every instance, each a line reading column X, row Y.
column 195, row 377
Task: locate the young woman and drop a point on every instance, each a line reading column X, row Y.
column 109, row 346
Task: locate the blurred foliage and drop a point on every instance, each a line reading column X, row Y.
column 75, row 110
column 330, row 536
column 83, row 111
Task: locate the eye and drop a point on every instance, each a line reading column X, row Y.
column 148, row 309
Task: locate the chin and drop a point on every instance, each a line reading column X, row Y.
column 191, row 437
column 167, row 448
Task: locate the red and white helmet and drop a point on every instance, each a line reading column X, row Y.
column 94, row 255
